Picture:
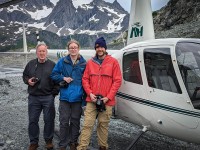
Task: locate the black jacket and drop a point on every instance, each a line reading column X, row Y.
column 42, row 71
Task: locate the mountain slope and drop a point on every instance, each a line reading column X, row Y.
column 64, row 18
column 180, row 18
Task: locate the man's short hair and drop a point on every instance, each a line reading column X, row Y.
column 40, row 43
column 73, row 41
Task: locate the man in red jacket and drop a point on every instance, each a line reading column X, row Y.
column 103, row 77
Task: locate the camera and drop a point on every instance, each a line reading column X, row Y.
column 63, row 84
column 35, row 80
column 100, row 104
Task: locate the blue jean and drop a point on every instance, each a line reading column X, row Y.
column 37, row 104
column 69, row 117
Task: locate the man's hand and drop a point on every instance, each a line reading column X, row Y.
column 30, row 81
column 93, row 98
column 105, row 100
column 68, row 79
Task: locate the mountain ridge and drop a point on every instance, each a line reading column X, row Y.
column 97, row 17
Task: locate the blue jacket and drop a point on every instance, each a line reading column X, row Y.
column 65, row 68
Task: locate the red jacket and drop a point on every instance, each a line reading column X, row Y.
column 104, row 79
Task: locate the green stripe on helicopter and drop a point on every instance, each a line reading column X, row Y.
column 158, row 105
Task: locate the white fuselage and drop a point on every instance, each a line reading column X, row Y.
column 164, row 111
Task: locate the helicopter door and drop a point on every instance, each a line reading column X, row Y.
column 132, row 90
column 164, row 92
column 188, row 59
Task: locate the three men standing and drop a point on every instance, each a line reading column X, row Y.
column 101, row 79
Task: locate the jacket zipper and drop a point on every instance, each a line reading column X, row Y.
column 99, row 80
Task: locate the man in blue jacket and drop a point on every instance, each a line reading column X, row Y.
column 68, row 72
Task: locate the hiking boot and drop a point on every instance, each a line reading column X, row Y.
column 73, row 146
column 102, row 148
column 33, row 147
column 49, row 145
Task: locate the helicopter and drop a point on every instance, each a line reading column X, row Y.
column 160, row 89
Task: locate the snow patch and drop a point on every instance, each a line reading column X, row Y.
column 93, row 19
column 54, row 2
column 38, row 25
column 39, row 14
column 77, row 3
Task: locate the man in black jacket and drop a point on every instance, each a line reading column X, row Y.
column 42, row 91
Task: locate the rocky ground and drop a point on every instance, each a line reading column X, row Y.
column 14, row 121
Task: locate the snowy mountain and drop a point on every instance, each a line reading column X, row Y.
column 63, row 18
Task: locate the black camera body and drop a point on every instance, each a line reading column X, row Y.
column 63, row 84
column 100, row 104
column 35, row 80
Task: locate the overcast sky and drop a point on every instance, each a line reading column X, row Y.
column 156, row 4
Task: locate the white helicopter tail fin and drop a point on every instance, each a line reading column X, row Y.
column 141, row 22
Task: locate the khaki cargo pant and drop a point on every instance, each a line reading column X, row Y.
column 102, row 126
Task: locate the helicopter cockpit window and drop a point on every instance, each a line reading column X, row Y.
column 159, row 70
column 188, row 58
column 131, row 68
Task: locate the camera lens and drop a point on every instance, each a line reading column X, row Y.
column 35, row 80
column 100, row 104
column 63, row 84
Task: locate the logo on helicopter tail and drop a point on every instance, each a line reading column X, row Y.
column 61, row 54
column 136, row 30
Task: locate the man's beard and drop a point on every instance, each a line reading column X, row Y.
column 102, row 53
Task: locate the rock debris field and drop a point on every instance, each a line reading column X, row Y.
column 14, row 119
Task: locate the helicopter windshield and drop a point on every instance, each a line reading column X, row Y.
column 188, row 58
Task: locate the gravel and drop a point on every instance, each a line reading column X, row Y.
column 14, row 122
